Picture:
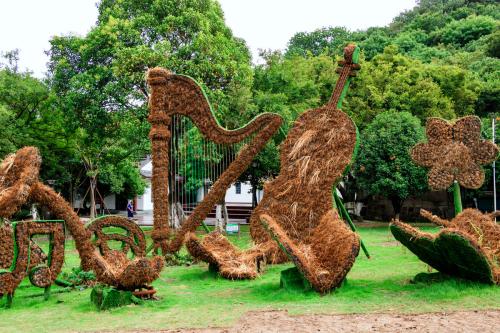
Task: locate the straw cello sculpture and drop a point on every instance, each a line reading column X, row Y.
column 296, row 219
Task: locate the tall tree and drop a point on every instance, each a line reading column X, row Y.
column 29, row 115
column 100, row 82
column 384, row 166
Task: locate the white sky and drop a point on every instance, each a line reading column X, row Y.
column 264, row 24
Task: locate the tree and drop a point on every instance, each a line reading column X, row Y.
column 30, row 116
column 397, row 83
column 100, row 81
column 461, row 32
column 384, row 166
column 329, row 40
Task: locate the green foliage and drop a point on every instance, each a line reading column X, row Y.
column 394, row 82
column 325, row 40
column 179, row 259
column 458, row 33
column 29, row 115
column 78, row 277
column 106, row 298
column 101, row 84
column 384, row 166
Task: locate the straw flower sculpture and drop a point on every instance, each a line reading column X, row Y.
column 454, row 151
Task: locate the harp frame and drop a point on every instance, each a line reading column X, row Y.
column 173, row 94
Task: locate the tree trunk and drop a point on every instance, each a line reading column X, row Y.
column 225, row 214
column 218, row 218
column 34, row 212
column 181, row 215
column 93, row 183
column 397, row 204
column 254, row 193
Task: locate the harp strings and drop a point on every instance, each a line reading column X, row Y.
column 195, row 164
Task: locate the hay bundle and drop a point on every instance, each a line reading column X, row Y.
column 454, row 151
column 468, row 246
column 325, row 257
column 231, row 263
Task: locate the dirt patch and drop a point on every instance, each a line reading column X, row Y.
column 280, row 321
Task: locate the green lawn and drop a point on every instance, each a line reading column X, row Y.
column 192, row 297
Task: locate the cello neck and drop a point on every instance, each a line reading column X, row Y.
column 347, row 69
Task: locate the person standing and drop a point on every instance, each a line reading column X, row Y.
column 130, row 209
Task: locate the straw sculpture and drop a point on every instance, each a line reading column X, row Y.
column 467, row 247
column 469, row 244
column 134, row 239
column 229, row 262
column 314, row 156
column 325, row 257
column 296, row 210
column 37, row 256
column 454, row 151
column 175, row 94
column 111, row 267
column 43, row 274
column 18, row 172
column 6, row 246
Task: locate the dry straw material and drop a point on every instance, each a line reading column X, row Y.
column 111, row 268
column 180, row 95
column 326, row 256
column 41, row 275
column 231, row 263
column 19, row 184
column 454, row 151
column 18, row 172
column 316, row 152
column 297, row 206
column 468, row 246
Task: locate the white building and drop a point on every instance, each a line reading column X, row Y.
column 239, row 194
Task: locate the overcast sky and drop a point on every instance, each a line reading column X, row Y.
column 265, row 24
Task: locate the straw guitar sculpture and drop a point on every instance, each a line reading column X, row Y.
column 297, row 219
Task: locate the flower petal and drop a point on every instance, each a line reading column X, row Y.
column 424, row 154
column 471, row 177
column 484, row 152
column 438, row 131
column 467, row 130
column 440, row 178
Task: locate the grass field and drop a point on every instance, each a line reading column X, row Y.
column 192, row 297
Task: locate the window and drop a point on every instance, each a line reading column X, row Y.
column 238, row 187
